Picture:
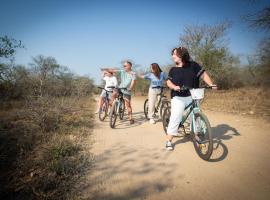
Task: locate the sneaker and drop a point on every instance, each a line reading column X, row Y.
column 131, row 121
column 152, row 121
column 169, row 146
column 97, row 111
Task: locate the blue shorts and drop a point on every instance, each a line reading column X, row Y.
column 103, row 94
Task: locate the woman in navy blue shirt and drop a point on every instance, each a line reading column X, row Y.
column 185, row 73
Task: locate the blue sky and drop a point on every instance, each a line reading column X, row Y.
column 86, row 35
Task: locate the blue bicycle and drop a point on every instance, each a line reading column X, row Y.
column 105, row 105
column 200, row 128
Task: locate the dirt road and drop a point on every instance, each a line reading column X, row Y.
column 132, row 163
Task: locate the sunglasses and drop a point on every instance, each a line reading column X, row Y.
column 125, row 66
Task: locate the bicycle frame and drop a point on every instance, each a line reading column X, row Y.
column 194, row 107
column 106, row 98
column 119, row 100
column 161, row 96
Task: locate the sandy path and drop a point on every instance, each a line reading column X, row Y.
column 131, row 162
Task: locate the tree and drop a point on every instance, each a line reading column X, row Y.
column 45, row 68
column 261, row 21
column 8, row 46
column 208, row 46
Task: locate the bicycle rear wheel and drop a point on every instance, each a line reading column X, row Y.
column 145, row 108
column 103, row 111
column 202, row 138
column 166, row 118
column 113, row 115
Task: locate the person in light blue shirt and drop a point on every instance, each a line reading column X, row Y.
column 157, row 78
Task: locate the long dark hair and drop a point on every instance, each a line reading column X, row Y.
column 156, row 70
column 182, row 53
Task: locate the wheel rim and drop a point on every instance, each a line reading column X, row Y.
column 113, row 115
column 103, row 112
column 163, row 107
column 202, row 136
column 146, row 107
column 166, row 119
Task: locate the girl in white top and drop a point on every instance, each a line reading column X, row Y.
column 110, row 81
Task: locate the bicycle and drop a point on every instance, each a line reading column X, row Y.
column 118, row 108
column 200, row 128
column 161, row 104
column 105, row 106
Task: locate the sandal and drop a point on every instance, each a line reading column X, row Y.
column 131, row 121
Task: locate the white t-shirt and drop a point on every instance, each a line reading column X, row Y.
column 110, row 81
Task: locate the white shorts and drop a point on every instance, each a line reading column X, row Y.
column 178, row 105
column 103, row 94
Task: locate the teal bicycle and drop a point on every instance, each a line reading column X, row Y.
column 200, row 128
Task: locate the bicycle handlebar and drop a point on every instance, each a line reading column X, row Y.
column 159, row 87
column 122, row 88
column 112, row 87
column 184, row 88
column 104, row 89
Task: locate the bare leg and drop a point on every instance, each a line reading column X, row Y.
column 129, row 108
column 113, row 97
column 152, row 98
column 169, row 137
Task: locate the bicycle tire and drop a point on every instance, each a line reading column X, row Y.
column 103, row 112
column 166, row 118
column 113, row 115
column 200, row 139
column 164, row 104
column 145, row 109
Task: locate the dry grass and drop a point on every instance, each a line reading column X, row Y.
column 43, row 148
column 244, row 101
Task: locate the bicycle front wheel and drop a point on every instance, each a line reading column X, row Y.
column 113, row 115
column 164, row 104
column 103, row 111
column 166, row 118
column 202, row 136
column 145, row 108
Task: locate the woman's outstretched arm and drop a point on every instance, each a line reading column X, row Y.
column 111, row 70
column 206, row 78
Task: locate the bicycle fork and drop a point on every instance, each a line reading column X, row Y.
column 197, row 127
column 118, row 106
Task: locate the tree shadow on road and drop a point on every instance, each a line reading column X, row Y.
column 138, row 117
column 113, row 178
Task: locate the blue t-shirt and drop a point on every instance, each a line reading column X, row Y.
column 155, row 82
